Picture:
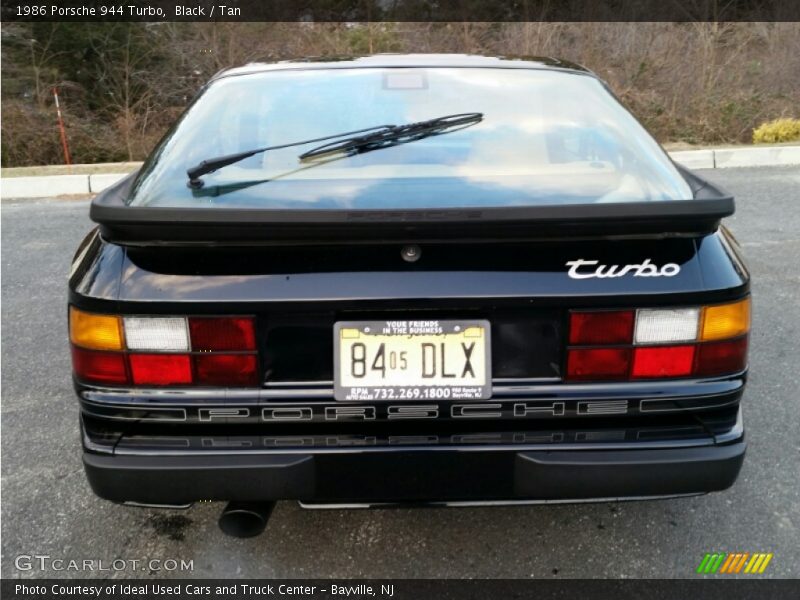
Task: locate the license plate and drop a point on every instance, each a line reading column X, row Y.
column 412, row 360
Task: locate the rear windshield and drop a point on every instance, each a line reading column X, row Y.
column 546, row 137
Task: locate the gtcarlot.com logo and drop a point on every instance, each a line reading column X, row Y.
column 730, row 563
column 45, row 562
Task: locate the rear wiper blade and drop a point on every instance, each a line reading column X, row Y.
column 210, row 165
column 380, row 136
column 395, row 134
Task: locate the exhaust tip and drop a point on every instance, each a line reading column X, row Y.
column 245, row 519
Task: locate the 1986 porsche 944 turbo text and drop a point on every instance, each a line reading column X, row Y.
column 408, row 279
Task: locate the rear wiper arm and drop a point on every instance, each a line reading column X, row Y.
column 395, row 134
column 380, row 136
column 210, row 165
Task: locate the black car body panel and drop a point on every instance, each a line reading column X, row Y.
column 535, row 271
column 423, row 476
column 540, row 437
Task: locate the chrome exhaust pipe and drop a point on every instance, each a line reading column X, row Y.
column 245, row 519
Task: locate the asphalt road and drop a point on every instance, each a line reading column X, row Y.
column 48, row 508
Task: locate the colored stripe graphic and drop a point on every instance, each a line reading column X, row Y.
column 731, row 560
column 734, row 562
column 711, row 562
column 704, row 563
column 741, row 562
column 717, row 563
column 764, row 564
column 754, row 563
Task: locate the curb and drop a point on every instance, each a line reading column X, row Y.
column 723, row 158
column 57, row 185
column 709, row 158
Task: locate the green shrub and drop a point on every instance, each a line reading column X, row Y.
column 779, row 130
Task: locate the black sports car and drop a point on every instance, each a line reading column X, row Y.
column 408, row 279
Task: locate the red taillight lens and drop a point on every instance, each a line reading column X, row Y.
column 658, row 343
column 160, row 369
column 213, row 333
column 163, row 350
column 226, row 369
column 601, row 327
column 99, row 367
column 664, row 361
column 721, row 357
column 598, row 363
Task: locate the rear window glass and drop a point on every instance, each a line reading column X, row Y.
column 547, row 137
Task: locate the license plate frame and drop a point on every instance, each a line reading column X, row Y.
column 405, row 333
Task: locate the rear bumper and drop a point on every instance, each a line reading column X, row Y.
column 382, row 475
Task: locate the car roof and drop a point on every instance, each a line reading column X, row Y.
column 410, row 61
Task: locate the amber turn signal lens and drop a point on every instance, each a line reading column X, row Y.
column 97, row 332
column 726, row 320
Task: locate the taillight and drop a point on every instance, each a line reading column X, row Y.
column 601, row 327
column 662, row 361
column 658, row 343
column 161, row 369
column 214, row 333
column 98, row 332
column 101, row 367
column 156, row 333
column 163, row 351
column 226, row 369
column 725, row 321
column 661, row 326
column 598, row 363
column 721, row 357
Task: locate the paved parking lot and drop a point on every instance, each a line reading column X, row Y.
column 48, row 508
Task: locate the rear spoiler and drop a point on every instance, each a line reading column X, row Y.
column 191, row 226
